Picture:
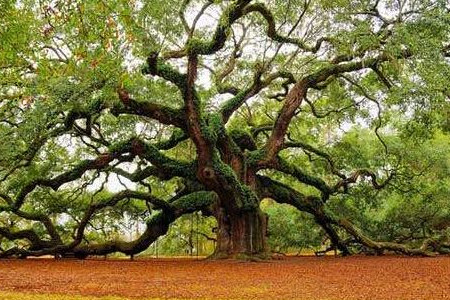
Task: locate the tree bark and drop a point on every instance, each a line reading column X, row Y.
column 241, row 235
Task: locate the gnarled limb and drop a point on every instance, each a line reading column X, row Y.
column 273, row 34
column 285, row 167
column 298, row 93
column 161, row 113
column 156, row 226
column 230, row 106
column 381, row 247
column 320, row 153
column 363, row 173
column 117, row 151
column 90, row 164
column 197, row 47
column 313, row 205
column 28, row 234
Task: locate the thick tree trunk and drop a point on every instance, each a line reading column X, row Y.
column 241, row 235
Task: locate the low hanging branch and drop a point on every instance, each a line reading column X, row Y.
column 429, row 247
column 156, row 226
column 313, row 205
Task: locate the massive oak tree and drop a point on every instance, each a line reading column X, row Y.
column 225, row 103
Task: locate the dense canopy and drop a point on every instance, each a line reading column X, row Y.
column 157, row 109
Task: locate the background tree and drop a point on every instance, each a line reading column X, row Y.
column 220, row 104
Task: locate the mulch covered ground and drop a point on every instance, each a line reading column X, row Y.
column 386, row 277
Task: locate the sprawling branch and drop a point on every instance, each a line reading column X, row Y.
column 285, row 167
column 164, row 164
column 55, row 182
column 196, row 124
column 177, row 137
column 361, row 174
column 313, row 205
column 230, row 106
column 269, row 188
column 320, row 153
column 273, row 34
column 299, row 91
column 55, row 128
column 380, row 247
column 163, row 114
column 197, row 47
column 27, row 234
column 110, row 202
column 156, row 226
column 157, row 67
column 133, row 146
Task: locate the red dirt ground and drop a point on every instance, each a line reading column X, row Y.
column 292, row 278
